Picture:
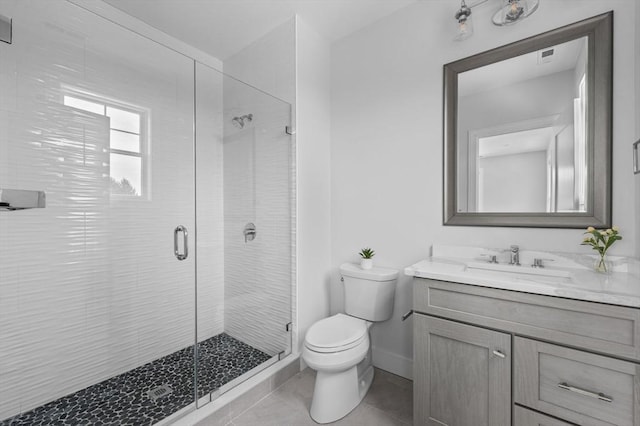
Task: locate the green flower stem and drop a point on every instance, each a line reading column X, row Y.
column 601, row 240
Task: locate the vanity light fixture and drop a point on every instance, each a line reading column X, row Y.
column 512, row 11
column 465, row 24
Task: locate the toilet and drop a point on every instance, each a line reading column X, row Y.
column 339, row 347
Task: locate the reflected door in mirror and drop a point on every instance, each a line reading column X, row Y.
column 521, row 133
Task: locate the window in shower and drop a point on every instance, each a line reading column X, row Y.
column 127, row 145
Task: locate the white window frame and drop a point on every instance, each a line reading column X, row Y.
column 145, row 187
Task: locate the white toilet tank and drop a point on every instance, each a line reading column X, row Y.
column 369, row 294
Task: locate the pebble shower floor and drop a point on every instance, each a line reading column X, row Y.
column 125, row 399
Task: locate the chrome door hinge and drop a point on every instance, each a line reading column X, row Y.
column 288, row 326
column 636, row 160
column 289, row 130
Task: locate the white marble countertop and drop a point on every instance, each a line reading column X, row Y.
column 575, row 277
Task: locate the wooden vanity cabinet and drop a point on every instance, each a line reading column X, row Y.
column 485, row 356
column 462, row 374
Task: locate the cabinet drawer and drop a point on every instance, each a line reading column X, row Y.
column 524, row 417
column 595, row 327
column 588, row 389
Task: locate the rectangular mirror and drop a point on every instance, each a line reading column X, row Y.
column 528, row 131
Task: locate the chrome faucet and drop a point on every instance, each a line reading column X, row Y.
column 515, row 256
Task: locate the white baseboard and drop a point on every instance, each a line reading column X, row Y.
column 393, row 363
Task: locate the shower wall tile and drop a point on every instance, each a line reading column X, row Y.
column 257, row 179
column 89, row 286
column 210, row 205
column 8, row 84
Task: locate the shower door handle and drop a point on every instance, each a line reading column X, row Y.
column 185, row 245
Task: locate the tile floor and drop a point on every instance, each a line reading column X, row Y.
column 389, row 402
column 124, row 399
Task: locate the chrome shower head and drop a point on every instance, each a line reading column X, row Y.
column 240, row 122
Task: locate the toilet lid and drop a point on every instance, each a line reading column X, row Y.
column 339, row 332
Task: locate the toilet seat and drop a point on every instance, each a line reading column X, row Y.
column 337, row 333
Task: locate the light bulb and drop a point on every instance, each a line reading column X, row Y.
column 465, row 25
column 465, row 29
column 514, row 11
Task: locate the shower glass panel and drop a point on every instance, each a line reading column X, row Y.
column 245, row 256
column 96, row 313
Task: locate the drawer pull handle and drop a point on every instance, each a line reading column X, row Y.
column 600, row 396
column 499, row 354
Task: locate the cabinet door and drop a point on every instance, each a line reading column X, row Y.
column 462, row 374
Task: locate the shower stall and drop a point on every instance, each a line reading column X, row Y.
column 158, row 273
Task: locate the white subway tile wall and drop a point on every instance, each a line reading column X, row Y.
column 210, row 205
column 258, row 160
column 89, row 286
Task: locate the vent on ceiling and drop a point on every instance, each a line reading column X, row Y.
column 545, row 56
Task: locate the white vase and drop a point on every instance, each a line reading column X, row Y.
column 366, row 263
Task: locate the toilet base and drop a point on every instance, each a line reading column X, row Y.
column 336, row 394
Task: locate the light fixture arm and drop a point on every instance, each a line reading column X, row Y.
column 465, row 11
column 511, row 12
column 478, row 3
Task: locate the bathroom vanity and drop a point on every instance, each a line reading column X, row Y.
column 506, row 345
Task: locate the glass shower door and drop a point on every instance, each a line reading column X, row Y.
column 245, row 243
column 96, row 310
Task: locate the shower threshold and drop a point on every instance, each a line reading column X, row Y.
column 151, row 392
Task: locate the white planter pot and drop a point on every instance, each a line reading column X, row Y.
column 366, row 263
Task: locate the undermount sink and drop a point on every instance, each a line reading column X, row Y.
column 521, row 270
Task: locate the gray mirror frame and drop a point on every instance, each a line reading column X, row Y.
column 599, row 30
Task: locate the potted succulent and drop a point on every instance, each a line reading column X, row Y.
column 367, row 258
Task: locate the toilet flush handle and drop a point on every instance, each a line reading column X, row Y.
column 407, row 315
